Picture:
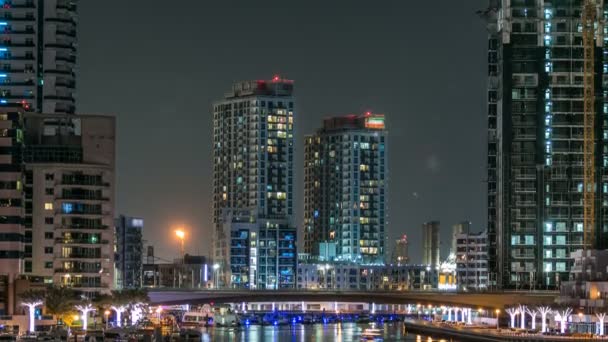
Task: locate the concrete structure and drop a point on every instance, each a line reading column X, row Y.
column 351, row 276
column 472, row 261
column 431, row 243
column 194, row 272
column 129, row 252
column 463, row 227
column 38, row 55
column 535, row 141
column 254, row 234
column 400, row 252
column 345, row 188
column 489, row 301
column 69, row 201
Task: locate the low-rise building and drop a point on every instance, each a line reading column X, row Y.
column 472, row 261
column 193, row 272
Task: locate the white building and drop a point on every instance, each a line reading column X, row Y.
column 472, row 261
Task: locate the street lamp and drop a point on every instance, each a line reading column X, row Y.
column 497, row 320
column 107, row 314
column 181, row 236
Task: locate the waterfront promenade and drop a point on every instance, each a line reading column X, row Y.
column 485, row 334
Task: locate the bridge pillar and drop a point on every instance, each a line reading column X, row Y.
column 449, row 313
column 462, row 316
column 469, row 316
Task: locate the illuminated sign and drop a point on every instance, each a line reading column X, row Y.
column 374, row 122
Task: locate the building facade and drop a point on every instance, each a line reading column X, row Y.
column 463, row 227
column 472, row 261
column 431, row 243
column 129, row 252
column 193, row 272
column 254, row 235
column 357, row 277
column 38, row 53
column 69, row 201
column 535, row 139
column 345, row 189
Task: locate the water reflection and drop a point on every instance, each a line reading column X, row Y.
column 317, row 332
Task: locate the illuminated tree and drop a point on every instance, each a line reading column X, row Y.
column 533, row 314
column 512, row 312
column 522, row 310
column 85, row 309
column 544, row 311
column 563, row 316
column 601, row 317
column 32, row 299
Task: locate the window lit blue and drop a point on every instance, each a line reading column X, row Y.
column 316, row 213
column 3, row 23
column 67, row 208
column 3, row 101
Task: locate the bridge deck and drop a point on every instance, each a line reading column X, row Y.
column 481, row 300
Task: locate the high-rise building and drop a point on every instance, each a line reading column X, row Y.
column 430, row 243
column 129, row 251
column 69, row 201
column 535, row 139
column 345, row 189
column 400, row 252
column 254, row 237
column 463, row 227
column 38, row 54
column 12, row 211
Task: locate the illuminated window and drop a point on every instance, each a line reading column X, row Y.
column 48, row 206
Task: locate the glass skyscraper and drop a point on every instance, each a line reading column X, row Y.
column 535, row 139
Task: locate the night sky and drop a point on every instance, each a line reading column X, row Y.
column 158, row 65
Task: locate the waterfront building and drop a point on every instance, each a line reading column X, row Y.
column 129, row 252
column 193, row 272
column 69, row 201
column 472, row 261
column 351, row 276
column 254, row 240
column 431, row 243
column 345, row 190
column 535, row 140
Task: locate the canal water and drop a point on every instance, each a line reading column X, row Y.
column 316, row 332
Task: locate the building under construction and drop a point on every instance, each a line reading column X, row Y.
column 547, row 137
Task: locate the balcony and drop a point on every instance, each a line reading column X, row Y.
column 81, row 241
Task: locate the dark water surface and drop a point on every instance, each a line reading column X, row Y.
column 317, row 332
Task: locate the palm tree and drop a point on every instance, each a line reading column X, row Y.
column 32, row 299
column 59, row 302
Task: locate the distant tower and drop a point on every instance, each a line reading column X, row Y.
column 430, row 243
column 400, row 254
column 463, row 227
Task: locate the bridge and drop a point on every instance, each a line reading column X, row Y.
column 486, row 300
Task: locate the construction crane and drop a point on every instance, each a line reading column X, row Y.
column 589, row 19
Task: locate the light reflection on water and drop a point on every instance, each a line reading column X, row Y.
column 317, row 332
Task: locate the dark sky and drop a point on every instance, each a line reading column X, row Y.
column 157, row 65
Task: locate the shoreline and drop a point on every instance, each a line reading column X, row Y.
column 479, row 336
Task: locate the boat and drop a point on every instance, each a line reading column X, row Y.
column 196, row 319
column 371, row 334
